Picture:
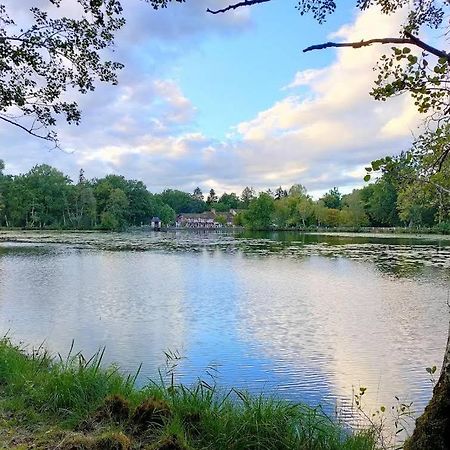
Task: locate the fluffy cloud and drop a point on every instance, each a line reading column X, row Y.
column 321, row 132
column 331, row 132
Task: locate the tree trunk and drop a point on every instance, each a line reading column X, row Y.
column 433, row 426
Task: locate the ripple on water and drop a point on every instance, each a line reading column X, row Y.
column 306, row 318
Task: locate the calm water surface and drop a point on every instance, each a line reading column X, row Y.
column 306, row 317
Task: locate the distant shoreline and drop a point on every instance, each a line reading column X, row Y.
column 381, row 233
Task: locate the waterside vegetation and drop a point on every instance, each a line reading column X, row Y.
column 74, row 403
column 45, row 198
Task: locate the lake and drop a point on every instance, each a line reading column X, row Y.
column 304, row 317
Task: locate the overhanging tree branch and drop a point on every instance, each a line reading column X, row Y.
column 408, row 40
column 47, row 137
column 236, row 5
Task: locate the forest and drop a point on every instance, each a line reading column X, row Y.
column 45, row 197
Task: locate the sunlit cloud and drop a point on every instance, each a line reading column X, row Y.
column 320, row 131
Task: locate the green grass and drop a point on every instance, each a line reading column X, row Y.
column 72, row 403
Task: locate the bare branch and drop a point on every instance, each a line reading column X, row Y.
column 31, row 131
column 438, row 186
column 409, row 40
column 236, row 5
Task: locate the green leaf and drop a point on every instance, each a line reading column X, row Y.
column 376, row 164
column 367, row 178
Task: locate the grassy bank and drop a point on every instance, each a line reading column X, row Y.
column 51, row 403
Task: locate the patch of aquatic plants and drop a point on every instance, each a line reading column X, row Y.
column 398, row 253
column 75, row 403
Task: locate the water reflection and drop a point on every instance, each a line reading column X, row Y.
column 377, row 331
column 305, row 317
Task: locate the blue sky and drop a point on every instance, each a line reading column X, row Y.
column 230, row 100
column 234, row 77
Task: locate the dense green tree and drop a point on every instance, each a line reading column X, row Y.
column 248, row 194
column 260, row 213
column 103, row 188
column 165, row 213
column 353, row 213
column 227, row 202
column 198, row 194
column 305, row 209
column 182, row 202
column 113, row 216
column 212, row 197
column 282, row 213
column 416, row 206
column 381, row 203
column 43, row 197
column 300, row 205
column 297, row 190
column 139, row 209
column 83, row 204
column 320, row 213
column 332, row 199
column 3, row 189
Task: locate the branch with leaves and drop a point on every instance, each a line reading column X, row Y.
column 41, row 64
column 408, row 40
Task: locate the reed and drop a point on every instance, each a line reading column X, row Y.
column 77, row 403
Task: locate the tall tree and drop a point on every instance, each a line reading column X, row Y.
column 248, row 194
column 280, row 193
column 113, row 217
column 212, row 197
column 46, row 193
column 380, row 200
column 198, row 194
column 260, row 213
column 83, row 204
column 227, row 202
column 333, row 199
column 353, row 213
column 297, row 190
column 182, row 202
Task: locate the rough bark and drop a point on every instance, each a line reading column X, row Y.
column 432, row 430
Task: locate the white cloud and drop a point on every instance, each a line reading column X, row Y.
column 305, row 77
column 145, row 128
column 338, row 127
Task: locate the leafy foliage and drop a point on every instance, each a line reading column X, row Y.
column 41, row 64
column 45, row 197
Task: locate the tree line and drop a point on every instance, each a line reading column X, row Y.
column 387, row 202
column 44, row 197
